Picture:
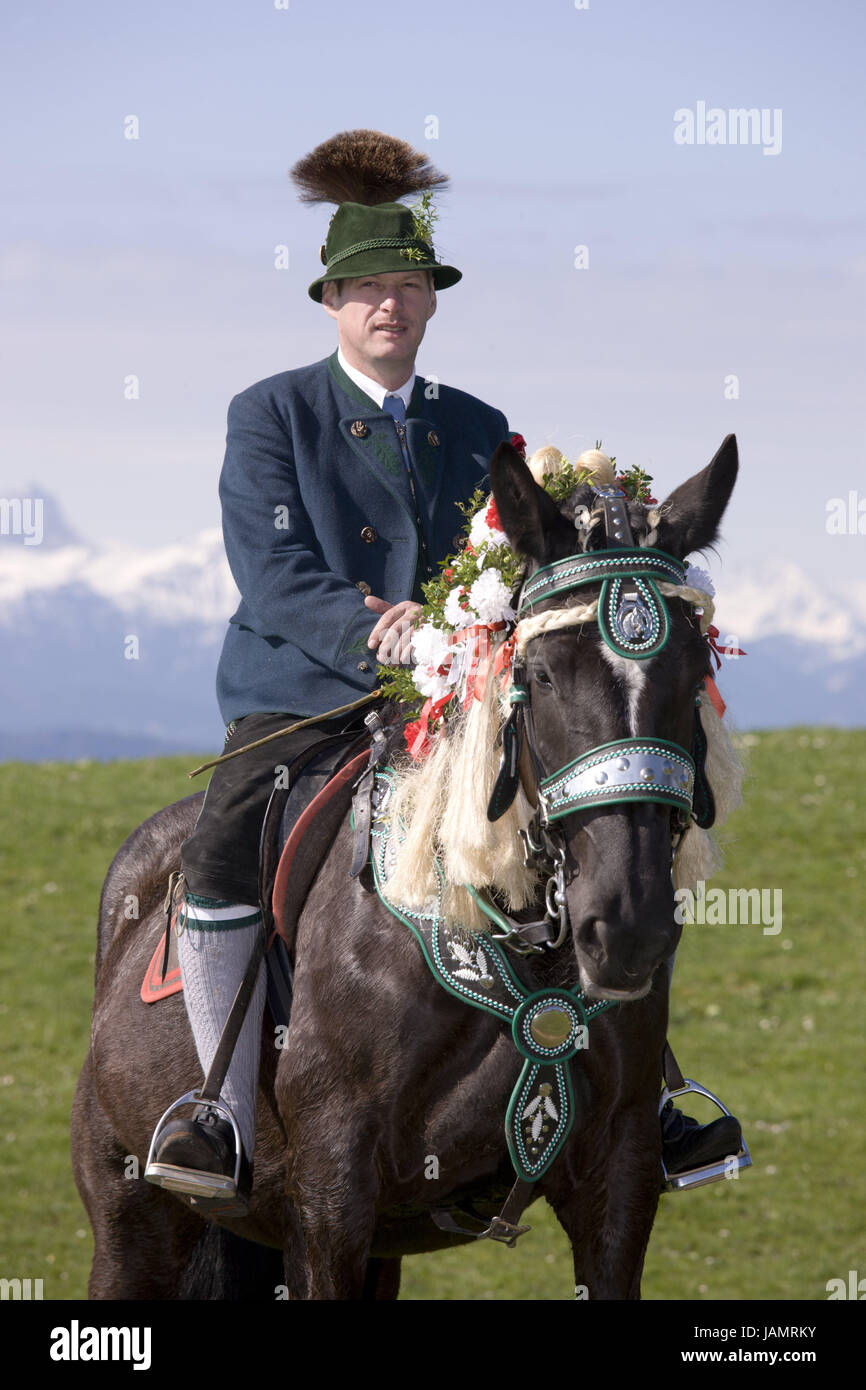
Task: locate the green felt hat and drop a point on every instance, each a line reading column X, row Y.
column 366, row 240
column 364, row 172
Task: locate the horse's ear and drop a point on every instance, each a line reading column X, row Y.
column 690, row 517
column 530, row 518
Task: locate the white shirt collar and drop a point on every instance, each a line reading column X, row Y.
column 374, row 389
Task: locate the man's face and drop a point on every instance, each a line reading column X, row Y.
column 381, row 320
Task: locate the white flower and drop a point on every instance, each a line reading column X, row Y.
column 481, row 533
column 454, row 614
column 430, row 646
column 428, row 682
column 696, row 578
column 490, row 595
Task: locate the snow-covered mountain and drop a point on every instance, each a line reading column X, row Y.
column 112, row 652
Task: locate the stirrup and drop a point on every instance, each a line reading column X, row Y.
column 195, row 1182
column 707, row 1172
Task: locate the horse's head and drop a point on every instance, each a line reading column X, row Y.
column 585, row 692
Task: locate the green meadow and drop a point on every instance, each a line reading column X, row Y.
column 771, row 1019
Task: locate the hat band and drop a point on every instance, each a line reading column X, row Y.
column 380, row 243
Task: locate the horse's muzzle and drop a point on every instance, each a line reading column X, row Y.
column 618, row 957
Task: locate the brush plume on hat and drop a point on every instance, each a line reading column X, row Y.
column 366, row 172
column 364, row 166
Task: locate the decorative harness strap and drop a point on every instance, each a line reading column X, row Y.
column 632, row 616
column 630, row 769
column 549, row 1026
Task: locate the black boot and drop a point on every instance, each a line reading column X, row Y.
column 686, row 1144
column 196, row 1156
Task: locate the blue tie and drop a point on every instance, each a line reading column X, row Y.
column 396, row 406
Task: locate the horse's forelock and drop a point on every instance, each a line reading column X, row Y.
column 587, row 516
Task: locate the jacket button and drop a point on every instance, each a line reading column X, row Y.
column 369, row 535
column 364, row 587
column 433, row 438
column 459, row 541
column 363, row 666
column 359, row 429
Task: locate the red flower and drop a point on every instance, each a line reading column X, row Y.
column 492, row 517
column 519, row 443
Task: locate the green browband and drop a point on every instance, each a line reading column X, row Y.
column 632, row 616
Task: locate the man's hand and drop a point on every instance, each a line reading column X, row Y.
column 392, row 634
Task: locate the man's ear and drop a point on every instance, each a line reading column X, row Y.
column 432, row 309
column 329, row 298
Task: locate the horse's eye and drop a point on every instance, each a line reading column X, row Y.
column 543, row 679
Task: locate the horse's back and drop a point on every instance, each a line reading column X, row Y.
column 141, row 867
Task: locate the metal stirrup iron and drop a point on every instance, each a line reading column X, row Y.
column 218, row 1186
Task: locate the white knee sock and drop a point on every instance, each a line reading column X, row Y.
column 214, row 949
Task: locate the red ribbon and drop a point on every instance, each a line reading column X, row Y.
column 719, row 652
column 716, row 700
column 477, row 635
column 417, row 734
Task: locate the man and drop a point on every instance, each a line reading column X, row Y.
column 339, row 492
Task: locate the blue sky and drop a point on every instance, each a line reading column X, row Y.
column 155, row 256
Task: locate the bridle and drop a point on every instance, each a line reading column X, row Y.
column 633, row 620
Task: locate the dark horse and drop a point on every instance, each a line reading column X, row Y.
column 382, row 1068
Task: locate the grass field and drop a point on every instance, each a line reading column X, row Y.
column 772, row 1021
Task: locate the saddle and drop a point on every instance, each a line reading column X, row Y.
column 300, row 824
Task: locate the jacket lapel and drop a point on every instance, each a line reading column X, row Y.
column 370, row 434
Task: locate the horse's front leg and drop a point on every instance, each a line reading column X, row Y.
column 605, row 1195
column 331, row 1193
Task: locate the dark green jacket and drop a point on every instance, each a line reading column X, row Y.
column 316, row 503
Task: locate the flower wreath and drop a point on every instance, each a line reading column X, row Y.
column 462, row 635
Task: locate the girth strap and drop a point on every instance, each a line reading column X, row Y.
column 503, row 1227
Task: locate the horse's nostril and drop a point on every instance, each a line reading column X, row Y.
column 593, row 937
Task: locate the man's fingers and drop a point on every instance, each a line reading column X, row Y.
column 396, row 645
column 378, row 605
column 395, row 614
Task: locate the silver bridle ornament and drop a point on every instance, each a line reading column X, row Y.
column 634, row 769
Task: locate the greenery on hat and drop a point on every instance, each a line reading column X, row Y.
column 424, row 216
